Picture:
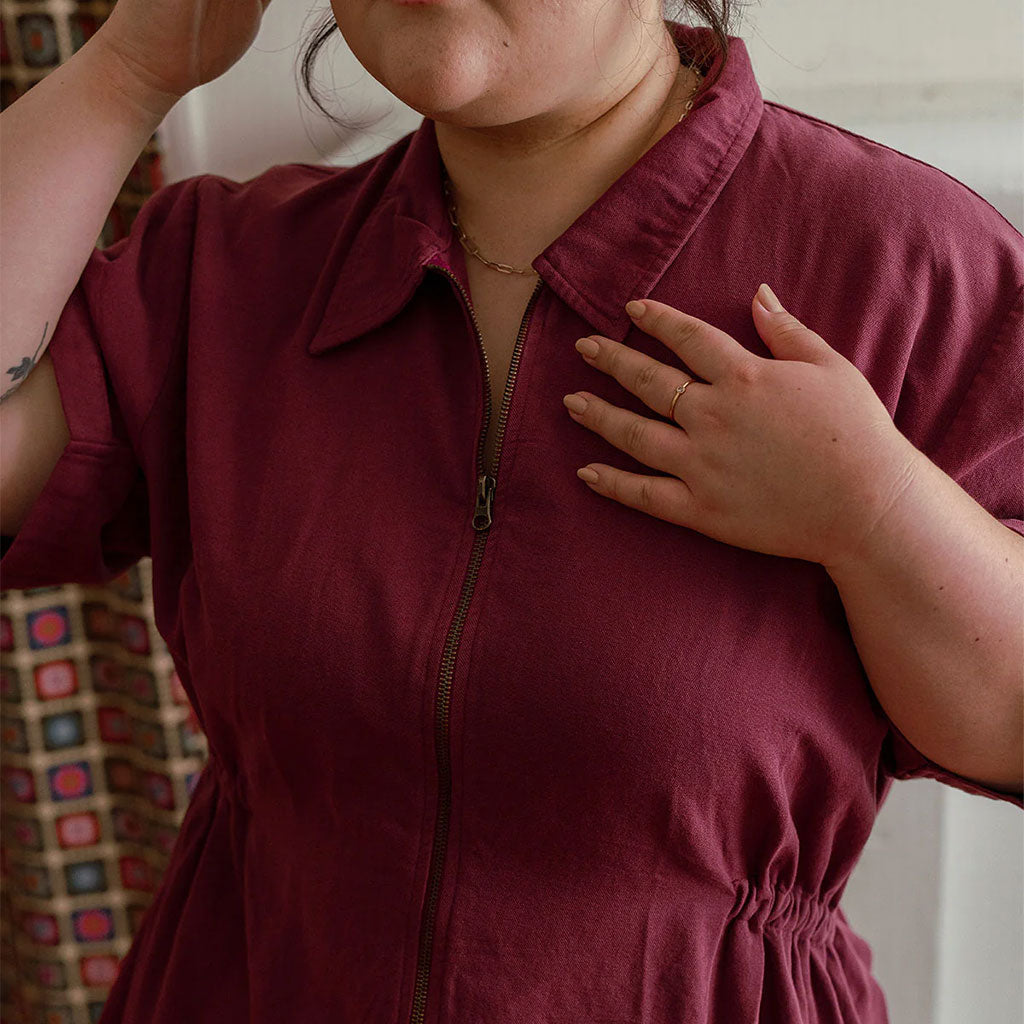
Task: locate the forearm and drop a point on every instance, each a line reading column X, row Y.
column 935, row 605
column 67, row 146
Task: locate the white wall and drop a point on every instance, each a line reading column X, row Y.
column 940, row 81
column 254, row 116
column 938, row 892
column 979, row 949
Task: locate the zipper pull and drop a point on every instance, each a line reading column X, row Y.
column 484, row 497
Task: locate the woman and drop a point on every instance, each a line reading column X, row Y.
column 487, row 743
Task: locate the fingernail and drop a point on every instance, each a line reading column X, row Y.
column 635, row 308
column 768, row 299
column 588, row 347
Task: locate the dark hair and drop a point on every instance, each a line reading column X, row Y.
column 721, row 15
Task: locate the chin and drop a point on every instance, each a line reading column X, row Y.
column 444, row 74
column 436, row 87
column 434, row 98
column 441, row 98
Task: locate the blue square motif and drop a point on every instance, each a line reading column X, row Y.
column 63, row 730
column 86, row 876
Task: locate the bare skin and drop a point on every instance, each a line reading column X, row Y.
column 500, row 299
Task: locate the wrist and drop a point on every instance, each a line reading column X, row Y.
column 128, row 80
column 879, row 520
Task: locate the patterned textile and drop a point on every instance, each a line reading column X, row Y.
column 100, row 750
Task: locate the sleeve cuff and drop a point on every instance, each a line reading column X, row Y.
column 82, row 527
column 914, row 765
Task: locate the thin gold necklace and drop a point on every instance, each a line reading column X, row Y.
column 470, row 246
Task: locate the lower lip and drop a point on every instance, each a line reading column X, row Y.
column 418, row 3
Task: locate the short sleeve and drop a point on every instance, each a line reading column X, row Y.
column 983, row 451
column 111, row 348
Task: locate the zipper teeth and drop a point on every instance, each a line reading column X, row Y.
column 513, row 371
column 440, row 846
column 487, row 367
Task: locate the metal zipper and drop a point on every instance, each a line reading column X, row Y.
column 482, row 518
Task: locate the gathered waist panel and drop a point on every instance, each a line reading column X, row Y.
column 794, row 911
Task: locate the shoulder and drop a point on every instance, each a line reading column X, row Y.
column 910, row 272
column 874, row 192
column 294, row 198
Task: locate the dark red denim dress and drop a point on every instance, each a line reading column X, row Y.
column 486, row 746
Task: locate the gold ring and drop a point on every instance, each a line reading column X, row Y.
column 675, row 398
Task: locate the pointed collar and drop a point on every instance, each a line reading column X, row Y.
column 616, row 250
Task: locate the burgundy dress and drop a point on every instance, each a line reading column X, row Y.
column 486, row 746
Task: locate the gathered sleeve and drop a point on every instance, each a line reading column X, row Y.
column 112, row 347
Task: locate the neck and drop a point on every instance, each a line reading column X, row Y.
column 518, row 186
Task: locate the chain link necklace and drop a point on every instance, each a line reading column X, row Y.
column 470, row 246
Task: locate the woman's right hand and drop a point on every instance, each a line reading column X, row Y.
column 172, row 46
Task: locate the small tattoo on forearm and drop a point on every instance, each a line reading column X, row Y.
column 21, row 371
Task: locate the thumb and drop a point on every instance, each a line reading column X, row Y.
column 784, row 335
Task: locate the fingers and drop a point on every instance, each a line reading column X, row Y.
column 709, row 352
column 653, row 442
column 653, row 382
